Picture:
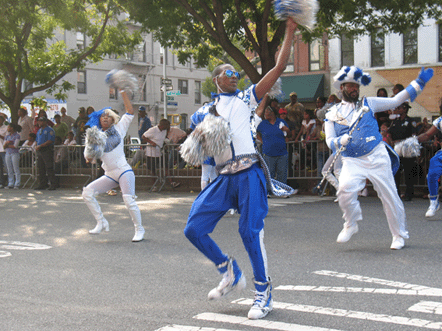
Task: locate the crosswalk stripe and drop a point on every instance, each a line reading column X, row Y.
column 189, row 328
column 352, row 314
column 265, row 324
column 429, row 307
column 371, row 290
column 422, row 290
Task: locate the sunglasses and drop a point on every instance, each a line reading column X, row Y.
column 229, row 73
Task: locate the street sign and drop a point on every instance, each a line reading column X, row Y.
column 172, row 104
column 170, row 98
column 174, row 92
column 166, row 81
column 168, row 88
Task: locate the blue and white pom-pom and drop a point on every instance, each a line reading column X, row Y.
column 95, row 143
column 121, row 79
column 303, row 12
column 276, row 89
column 409, row 147
column 210, row 138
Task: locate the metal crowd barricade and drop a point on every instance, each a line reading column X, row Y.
column 27, row 164
column 304, row 162
column 145, row 167
column 70, row 162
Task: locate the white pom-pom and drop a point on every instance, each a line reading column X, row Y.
column 276, row 89
column 409, row 147
column 210, row 138
column 303, row 12
column 121, row 79
column 95, row 143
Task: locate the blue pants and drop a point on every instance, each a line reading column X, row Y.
column 278, row 167
column 244, row 191
column 434, row 173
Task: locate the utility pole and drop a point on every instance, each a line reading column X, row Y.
column 164, row 86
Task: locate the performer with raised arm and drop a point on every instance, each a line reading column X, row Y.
column 352, row 128
column 105, row 141
column 435, row 169
column 241, row 183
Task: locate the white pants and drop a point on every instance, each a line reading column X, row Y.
column 376, row 167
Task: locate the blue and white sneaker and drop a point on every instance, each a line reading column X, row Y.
column 262, row 304
column 230, row 281
column 434, row 207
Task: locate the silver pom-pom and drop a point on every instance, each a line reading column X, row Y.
column 276, row 89
column 303, row 12
column 409, row 147
column 210, row 138
column 121, row 79
column 95, row 143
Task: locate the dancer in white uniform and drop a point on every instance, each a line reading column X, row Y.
column 366, row 156
column 117, row 172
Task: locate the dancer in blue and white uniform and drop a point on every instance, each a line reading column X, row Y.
column 117, row 172
column 241, row 184
column 435, row 169
column 365, row 155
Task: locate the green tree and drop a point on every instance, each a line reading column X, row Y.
column 33, row 54
column 207, row 28
column 361, row 17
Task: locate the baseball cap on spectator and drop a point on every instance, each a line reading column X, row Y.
column 42, row 118
column 282, row 111
column 142, row 108
column 293, row 93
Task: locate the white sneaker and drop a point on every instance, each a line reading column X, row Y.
column 434, row 207
column 336, row 200
column 347, row 232
column 398, row 242
column 229, row 283
column 262, row 304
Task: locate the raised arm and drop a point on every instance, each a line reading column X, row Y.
column 266, row 83
column 127, row 103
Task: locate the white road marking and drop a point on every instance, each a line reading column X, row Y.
column 400, row 320
column 429, row 307
column 372, row 290
column 4, row 254
column 265, row 324
column 422, row 290
column 189, row 328
column 20, row 246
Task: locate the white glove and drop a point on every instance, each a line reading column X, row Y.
column 345, row 139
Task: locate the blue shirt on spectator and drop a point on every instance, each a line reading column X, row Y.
column 45, row 134
column 273, row 140
column 144, row 125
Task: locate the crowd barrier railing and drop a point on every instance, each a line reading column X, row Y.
column 305, row 161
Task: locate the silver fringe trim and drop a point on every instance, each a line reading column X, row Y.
column 95, row 143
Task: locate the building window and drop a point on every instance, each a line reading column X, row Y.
column 143, row 89
column 81, row 82
column 410, row 46
column 290, row 67
column 113, row 93
column 316, row 55
column 183, row 86
column 378, row 49
column 197, row 92
column 440, row 42
column 347, row 50
column 183, row 124
column 81, row 41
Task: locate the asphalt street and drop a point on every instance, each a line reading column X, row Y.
column 56, row 276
